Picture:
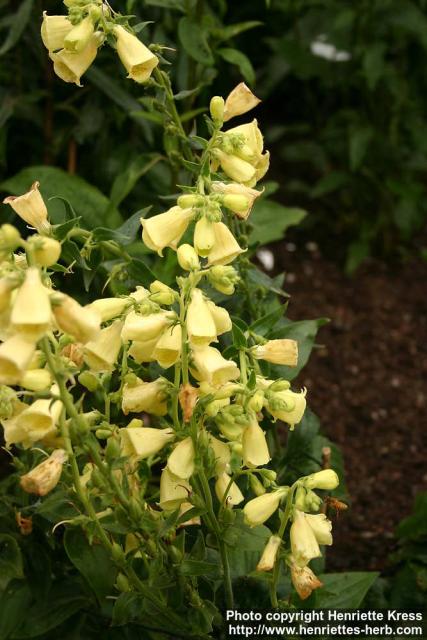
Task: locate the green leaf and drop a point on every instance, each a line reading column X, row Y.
column 373, row 64
column 200, row 568
column 304, row 332
column 239, row 338
column 125, row 181
column 359, row 141
column 232, row 30
column 86, row 200
column 13, row 601
column 44, row 617
column 271, row 219
column 195, row 42
column 93, row 562
column 167, row 4
column 356, row 253
column 415, row 525
column 344, row 590
column 264, row 325
column 233, row 56
column 18, row 24
column 331, row 182
column 11, row 565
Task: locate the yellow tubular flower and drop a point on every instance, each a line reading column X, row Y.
column 204, row 237
column 142, row 351
column 282, row 351
column 70, row 66
column 15, row 357
column 239, row 101
column 31, row 315
column 39, row 420
column 36, row 380
column 226, row 248
column 181, row 461
column 303, row 541
column 31, row 208
column 233, row 188
column 109, row 308
column 321, row 527
column 236, row 168
column 166, row 229
column 173, row 491
column 222, row 454
column 144, row 328
column 326, row 479
column 137, row 59
column 212, row 367
column 269, row 555
column 143, row 442
column 145, row 396
column 221, row 318
column 304, row 580
column 255, row 448
column 234, row 495
column 45, row 476
column 79, row 37
column 101, row 354
column 80, row 322
column 201, row 327
column 187, row 257
column 168, row 347
column 259, row 509
column 54, row 30
column 251, row 151
column 288, row 406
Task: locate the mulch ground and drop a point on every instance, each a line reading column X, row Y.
column 367, row 383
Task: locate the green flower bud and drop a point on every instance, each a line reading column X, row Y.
column 161, row 293
column 256, row 486
column 122, row 583
column 216, row 109
column 188, row 200
column 89, row 380
column 10, row 237
column 117, row 553
column 113, row 449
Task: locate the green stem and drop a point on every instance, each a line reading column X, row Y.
column 283, row 523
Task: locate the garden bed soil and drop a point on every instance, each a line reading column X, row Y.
column 367, row 383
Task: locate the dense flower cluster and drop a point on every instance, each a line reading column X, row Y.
column 203, row 425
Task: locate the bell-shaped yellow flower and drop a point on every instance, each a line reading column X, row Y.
column 36, row 380
column 31, row 208
column 181, row 461
column 269, row 555
column 228, row 492
column 45, row 476
column 142, row 351
column 201, row 327
column 303, row 541
column 226, row 248
column 31, row 315
column 259, row 509
column 54, row 30
column 236, row 189
column 109, row 308
column 252, row 149
column 222, row 454
column 282, row 351
column 143, row 442
column 166, row 229
column 70, row 66
column 168, row 347
column 255, row 448
column 39, row 420
column 80, row 322
column 327, row 479
column 137, row 59
column 288, row 406
column 173, row 491
column 46, row 251
column 184, row 507
column 79, row 37
column 236, row 168
column 101, row 354
column 210, row 366
column 239, row 101
column 221, row 318
column 144, row 328
column 187, row 257
column 321, row 527
column 304, row 580
column 204, row 236
column 150, row 397
column 15, row 357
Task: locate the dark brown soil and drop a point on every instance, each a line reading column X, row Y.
column 367, row 383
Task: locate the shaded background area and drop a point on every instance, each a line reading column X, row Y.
column 344, row 112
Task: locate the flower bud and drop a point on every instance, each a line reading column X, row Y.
column 101, row 354
column 256, row 486
column 225, row 248
column 173, row 491
column 31, row 208
column 80, row 322
column 255, row 449
column 304, row 580
column 269, row 555
column 235, row 168
column 235, row 189
column 256, row 402
column 31, row 313
column 89, row 380
column 223, row 278
column 144, row 328
column 237, row 203
column 204, row 236
column 228, row 492
column 79, row 37
column 282, row 351
column 216, row 109
column 188, row 200
column 122, row 583
column 259, row 509
column 166, row 229
column 239, row 101
column 137, row 59
column 326, row 479
column 168, row 347
column 45, row 476
column 46, row 251
column 161, row 293
column 181, row 460
column 10, row 237
column 109, row 308
column 187, row 258
column 150, row 397
column 143, row 442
